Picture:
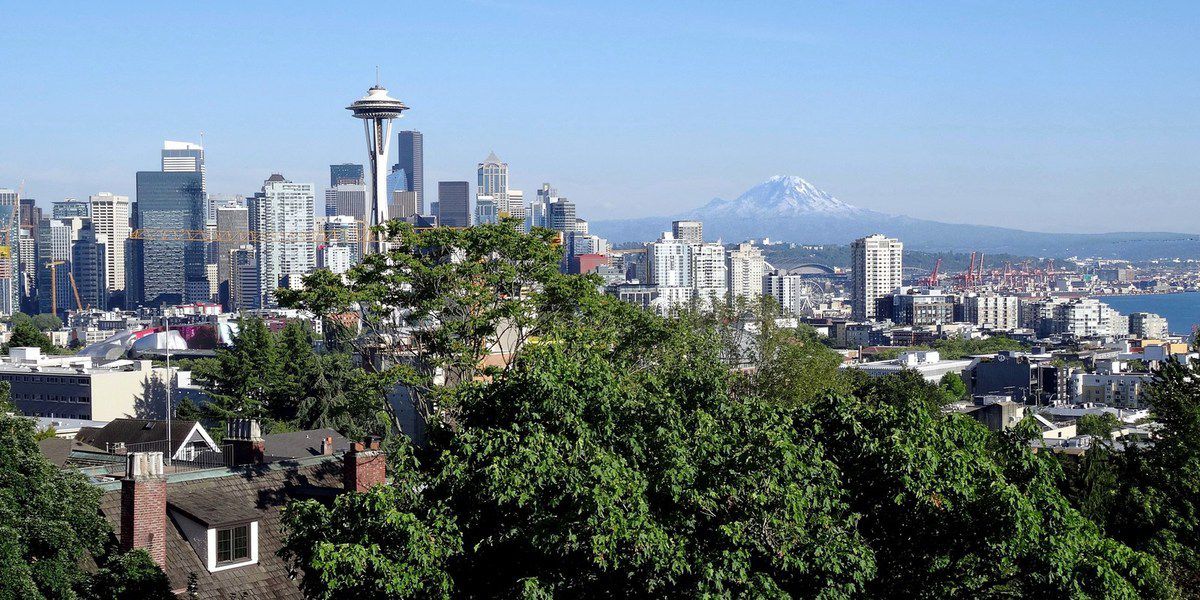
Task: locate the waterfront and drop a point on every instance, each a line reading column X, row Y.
column 1181, row 310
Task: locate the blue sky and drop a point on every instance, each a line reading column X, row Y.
column 1072, row 117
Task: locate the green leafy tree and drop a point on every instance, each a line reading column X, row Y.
column 131, row 575
column 6, row 403
column 952, row 510
column 1100, row 426
column 50, row 523
column 242, row 380
column 953, row 387
column 25, row 335
column 47, row 322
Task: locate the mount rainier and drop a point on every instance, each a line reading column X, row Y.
column 788, row 208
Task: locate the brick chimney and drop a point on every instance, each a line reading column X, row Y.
column 144, row 505
column 327, row 445
column 365, row 466
column 245, row 438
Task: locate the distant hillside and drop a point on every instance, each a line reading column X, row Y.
column 838, row 256
column 792, row 209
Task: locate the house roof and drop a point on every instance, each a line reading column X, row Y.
column 136, row 431
column 301, row 444
column 58, row 450
column 242, row 494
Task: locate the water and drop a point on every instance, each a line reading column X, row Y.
column 1182, row 311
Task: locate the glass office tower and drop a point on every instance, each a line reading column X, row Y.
column 171, row 264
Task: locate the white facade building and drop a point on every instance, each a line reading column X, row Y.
column 992, row 310
column 282, row 215
column 746, row 267
column 877, row 261
column 110, row 218
column 710, row 273
column 668, row 262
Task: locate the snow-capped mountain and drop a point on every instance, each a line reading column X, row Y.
column 788, row 208
column 779, row 196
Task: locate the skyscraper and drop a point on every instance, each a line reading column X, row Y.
column 65, row 209
column 245, row 288
column 31, row 217
column 710, row 272
column 669, row 262
column 403, row 205
column 745, row 268
column 87, row 268
column 377, row 110
column 492, row 181
column 345, row 173
column 110, row 220
column 185, row 157
column 10, row 238
column 57, row 237
column 691, row 232
column 560, row 215
column 349, row 199
column 877, row 261
column 172, row 270
column 346, row 231
column 232, row 224
column 486, row 210
column 454, row 203
column 410, row 158
column 282, row 216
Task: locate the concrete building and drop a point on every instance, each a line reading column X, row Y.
column 922, row 306
column 669, row 262
column 56, row 239
column 877, row 263
column 185, row 157
column 1147, row 326
column 66, row 209
column 349, row 199
column 992, row 310
column 1111, row 385
column 110, row 219
column 1026, row 378
column 72, row 387
column 245, row 285
column 233, row 227
column 336, row 258
column 404, row 205
column 560, row 215
column 710, row 272
column 346, row 231
column 487, row 210
column 745, row 269
column 788, row 290
column 689, row 232
column 282, row 217
column 928, row 364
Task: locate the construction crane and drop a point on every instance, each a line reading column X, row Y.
column 932, row 281
column 53, row 266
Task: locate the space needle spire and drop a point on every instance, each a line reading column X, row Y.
column 377, row 109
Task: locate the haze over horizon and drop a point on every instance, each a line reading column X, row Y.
column 1018, row 115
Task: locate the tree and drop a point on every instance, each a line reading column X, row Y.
column 953, row 387
column 1100, row 426
column 25, row 335
column 242, row 380
column 49, row 523
column 47, row 322
column 465, row 292
column 952, row 510
column 131, row 575
column 6, row 403
column 607, row 463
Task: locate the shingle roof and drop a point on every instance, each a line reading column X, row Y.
column 301, row 444
column 136, row 431
column 247, row 492
column 58, row 450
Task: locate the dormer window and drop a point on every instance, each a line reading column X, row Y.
column 233, row 545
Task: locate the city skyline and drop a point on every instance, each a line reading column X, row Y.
column 907, row 108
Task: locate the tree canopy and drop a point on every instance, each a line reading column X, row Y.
column 616, row 453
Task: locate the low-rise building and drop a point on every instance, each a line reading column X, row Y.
column 928, row 364
column 72, row 387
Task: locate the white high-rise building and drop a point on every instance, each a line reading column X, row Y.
column 538, row 214
column 992, row 310
column 493, row 181
column 669, row 262
column 282, row 216
column 487, row 210
column 337, row 258
column 110, row 218
column 877, row 261
column 746, row 268
column 1147, row 325
column 710, row 273
column 516, row 207
column 788, row 290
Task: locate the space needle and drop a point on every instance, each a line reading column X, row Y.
column 377, row 109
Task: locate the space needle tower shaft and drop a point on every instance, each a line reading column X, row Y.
column 377, row 110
